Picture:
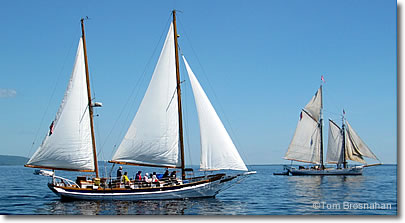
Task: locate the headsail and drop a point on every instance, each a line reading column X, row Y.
column 69, row 146
column 356, row 149
column 217, row 148
column 306, row 143
column 152, row 138
column 334, row 154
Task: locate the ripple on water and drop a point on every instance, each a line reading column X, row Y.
column 259, row 194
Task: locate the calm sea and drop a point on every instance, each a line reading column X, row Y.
column 373, row 193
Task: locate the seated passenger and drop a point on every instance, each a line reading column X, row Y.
column 173, row 174
column 125, row 178
column 154, row 178
column 138, row 176
column 146, row 178
column 166, row 174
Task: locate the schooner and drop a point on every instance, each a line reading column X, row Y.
column 343, row 144
column 154, row 138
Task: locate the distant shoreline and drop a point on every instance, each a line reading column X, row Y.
column 11, row 160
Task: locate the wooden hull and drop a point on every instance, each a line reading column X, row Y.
column 347, row 171
column 203, row 188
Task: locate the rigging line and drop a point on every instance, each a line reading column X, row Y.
column 85, row 110
column 174, row 94
column 139, row 81
column 51, row 97
column 235, row 139
column 332, row 99
column 143, row 77
column 171, row 99
column 92, row 74
column 100, row 151
column 333, row 113
column 186, row 119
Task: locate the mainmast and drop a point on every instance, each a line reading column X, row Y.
column 343, row 142
column 321, row 129
column 93, row 140
column 183, row 173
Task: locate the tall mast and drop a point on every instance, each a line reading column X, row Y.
column 343, row 142
column 183, row 173
column 93, row 140
column 321, row 129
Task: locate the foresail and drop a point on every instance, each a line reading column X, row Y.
column 306, row 142
column 217, row 148
column 68, row 144
column 356, row 149
column 315, row 105
column 335, row 140
column 152, row 138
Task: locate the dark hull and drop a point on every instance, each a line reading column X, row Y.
column 347, row 171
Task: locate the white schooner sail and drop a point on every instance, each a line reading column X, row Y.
column 152, row 138
column 306, row 143
column 217, row 148
column 68, row 144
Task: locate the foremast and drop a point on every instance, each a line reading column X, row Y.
column 93, row 140
column 183, row 173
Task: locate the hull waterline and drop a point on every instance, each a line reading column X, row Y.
column 200, row 189
column 347, row 171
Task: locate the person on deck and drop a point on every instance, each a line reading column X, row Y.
column 119, row 173
column 146, row 178
column 166, row 174
column 173, row 174
column 125, row 178
column 154, row 178
column 138, row 176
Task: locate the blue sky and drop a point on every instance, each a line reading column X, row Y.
column 259, row 62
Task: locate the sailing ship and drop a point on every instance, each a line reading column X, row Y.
column 154, row 138
column 343, row 144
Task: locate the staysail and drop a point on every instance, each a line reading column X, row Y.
column 68, row 144
column 356, row 149
column 335, row 139
column 152, row 139
column 217, row 148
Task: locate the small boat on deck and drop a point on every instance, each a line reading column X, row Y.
column 154, row 138
column 285, row 171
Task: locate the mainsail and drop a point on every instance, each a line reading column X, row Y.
column 306, row 143
column 356, row 149
column 335, row 139
column 69, row 145
column 217, row 148
column 152, row 138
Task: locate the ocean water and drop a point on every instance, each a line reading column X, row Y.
column 373, row 193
